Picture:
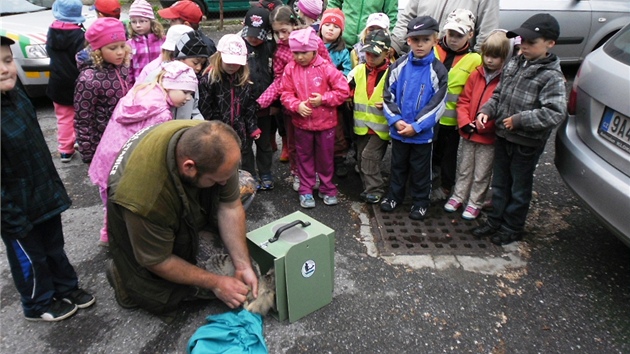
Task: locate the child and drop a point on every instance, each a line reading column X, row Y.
column 331, row 31
column 528, row 103
column 173, row 35
column 147, row 36
column 187, row 12
column 455, row 52
column 283, row 21
column 312, row 88
column 107, row 8
column 102, row 81
column 376, row 21
column 65, row 38
column 33, row 198
column 145, row 105
column 474, row 161
column 309, row 11
column 260, row 53
column 225, row 93
column 413, row 102
column 370, row 124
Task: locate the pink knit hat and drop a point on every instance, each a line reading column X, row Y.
column 178, row 76
column 304, row 40
column 311, row 8
column 334, row 16
column 104, row 31
column 141, row 8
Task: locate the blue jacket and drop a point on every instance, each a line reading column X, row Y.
column 341, row 59
column 415, row 92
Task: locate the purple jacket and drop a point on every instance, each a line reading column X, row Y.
column 144, row 49
column 96, row 94
column 136, row 111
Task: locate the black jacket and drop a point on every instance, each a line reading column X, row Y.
column 63, row 42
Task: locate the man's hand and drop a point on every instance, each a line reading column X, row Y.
column 230, row 290
column 248, row 276
column 304, row 110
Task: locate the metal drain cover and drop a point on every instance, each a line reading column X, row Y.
column 440, row 233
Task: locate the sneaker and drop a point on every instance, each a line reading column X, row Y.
column 452, row 205
column 317, row 181
column 113, row 278
column 372, row 198
column 471, row 213
column 417, row 213
column 307, row 201
column 65, row 158
column 58, row 310
column 329, row 199
column 266, row 182
column 76, row 147
column 80, row 298
column 257, row 183
column 484, row 230
column 388, row 204
column 296, row 183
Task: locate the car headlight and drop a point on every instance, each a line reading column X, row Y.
column 36, row 51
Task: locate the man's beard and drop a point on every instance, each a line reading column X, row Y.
column 190, row 181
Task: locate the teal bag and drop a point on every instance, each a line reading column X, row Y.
column 238, row 331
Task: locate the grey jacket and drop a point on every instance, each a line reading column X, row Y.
column 534, row 95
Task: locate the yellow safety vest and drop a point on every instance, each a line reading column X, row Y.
column 366, row 115
column 457, row 77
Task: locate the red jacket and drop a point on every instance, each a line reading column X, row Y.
column 319, row 76
column 476, row 92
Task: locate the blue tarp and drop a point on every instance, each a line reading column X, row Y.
column 238, row 331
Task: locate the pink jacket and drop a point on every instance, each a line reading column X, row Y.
column 144, row 49
column 134, row 112
column 319, row 76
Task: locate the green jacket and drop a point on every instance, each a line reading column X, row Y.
column 357, row 12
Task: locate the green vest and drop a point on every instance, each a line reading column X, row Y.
column 457, row 77
column 366, row 115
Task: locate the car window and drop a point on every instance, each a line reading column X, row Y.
column 618, row 47
column 10, row 7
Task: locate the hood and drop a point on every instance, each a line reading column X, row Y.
column 140, row 105
column 58, row 38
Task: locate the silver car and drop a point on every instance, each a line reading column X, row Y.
column 593, row 144
column 584, row 24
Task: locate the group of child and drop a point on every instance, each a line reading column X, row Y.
column 292, row 72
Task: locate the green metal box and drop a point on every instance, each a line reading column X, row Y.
column 301, row 251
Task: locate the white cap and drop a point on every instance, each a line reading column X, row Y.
column 174, row 33
column 233, row 49
column 378, row 19
column 460, row 20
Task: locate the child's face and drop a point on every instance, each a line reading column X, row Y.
column 195, row 63
column 230, row 68
column 374, row 60
column 492, row 63
column 303, row 58
column 180, row 97
column 8, row 69
column 281, row 30
column 114, row 53
column 533, row 49
column 421, row 46
column 254, row 41
column 140, row 25
column 330, row 32
column 456, row 40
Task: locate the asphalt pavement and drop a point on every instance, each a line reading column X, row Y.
column 565, row 288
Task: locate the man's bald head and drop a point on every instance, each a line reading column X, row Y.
column 208, row 145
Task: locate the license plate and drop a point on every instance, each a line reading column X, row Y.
column 615, row 127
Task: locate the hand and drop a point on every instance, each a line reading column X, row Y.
column 407, row 131
column 304, row 110
column 248, row 276
column 315, row 100
column 469, row 128
column 481, row 120
column 256, row 136
column 379, row 105
column 232, row 291
column 508, row 124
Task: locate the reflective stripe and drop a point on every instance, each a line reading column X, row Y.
column 372, row 125
column 368, row 109
column 452, row 97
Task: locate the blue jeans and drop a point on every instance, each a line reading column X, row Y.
column 411, row 161
column 39, row 265
column 513, row 176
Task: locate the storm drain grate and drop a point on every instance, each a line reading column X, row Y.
column 440, row 233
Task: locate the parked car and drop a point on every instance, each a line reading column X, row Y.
column 584, row 24
column 211, row 7
column 593, row 144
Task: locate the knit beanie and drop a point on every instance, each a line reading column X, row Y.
column 178, row 76
column 304, row 40
column 141, row 8
column 104, row 31
column 311, row 8
column 68, row 11
column 334, row 16
column 173, row 34
column 191, row 45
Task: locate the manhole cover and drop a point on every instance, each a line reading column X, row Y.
column 440, row 233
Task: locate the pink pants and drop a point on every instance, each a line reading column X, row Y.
column 65, row 128
column 103, row 191
column 314, row 153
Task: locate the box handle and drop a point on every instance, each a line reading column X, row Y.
column 284, row 228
